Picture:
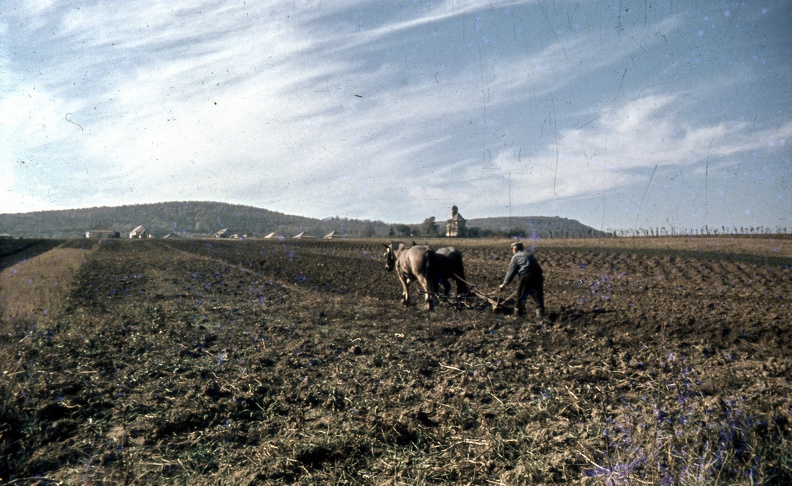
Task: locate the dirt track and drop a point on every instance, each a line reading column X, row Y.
column 293, row 361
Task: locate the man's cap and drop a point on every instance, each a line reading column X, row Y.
column 517, row 244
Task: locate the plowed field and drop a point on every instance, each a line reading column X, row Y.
column 269, row 362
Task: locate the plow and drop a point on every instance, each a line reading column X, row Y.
column 476, row 296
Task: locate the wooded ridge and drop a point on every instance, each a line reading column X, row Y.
column 201, row 219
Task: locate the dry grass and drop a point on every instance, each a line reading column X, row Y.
column 33, row 287
column 768, row 246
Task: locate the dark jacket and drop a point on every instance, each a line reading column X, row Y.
column 522, row 263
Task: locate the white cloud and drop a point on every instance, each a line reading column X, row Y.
column 620, row 149
column 370, row 110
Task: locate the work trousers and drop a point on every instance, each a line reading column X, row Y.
column 531, row 285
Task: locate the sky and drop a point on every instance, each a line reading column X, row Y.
column 621, row 114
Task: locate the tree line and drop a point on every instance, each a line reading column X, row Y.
column 703, row 231
column 200, row 219
column 516, row 227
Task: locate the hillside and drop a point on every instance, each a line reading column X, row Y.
column 206, row 218
column 536, row 226
column 183, row 218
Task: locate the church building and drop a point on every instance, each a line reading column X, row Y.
column 455, row 227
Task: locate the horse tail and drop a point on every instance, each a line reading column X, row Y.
column 428, row 269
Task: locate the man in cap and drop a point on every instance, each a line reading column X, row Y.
column 524, row 265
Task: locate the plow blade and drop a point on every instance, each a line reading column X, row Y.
column 494, row 302
column 497, row 303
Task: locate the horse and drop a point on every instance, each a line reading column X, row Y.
column 447, row 266
column 412, row 263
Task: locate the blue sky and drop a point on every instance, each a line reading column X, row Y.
column 620, row 114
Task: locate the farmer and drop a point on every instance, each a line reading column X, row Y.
column 525, row 266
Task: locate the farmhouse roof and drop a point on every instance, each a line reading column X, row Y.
column 139, row 232
column 100, row 231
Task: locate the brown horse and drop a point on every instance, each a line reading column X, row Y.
column 412, row 264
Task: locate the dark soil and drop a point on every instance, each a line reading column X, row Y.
column 255, row 362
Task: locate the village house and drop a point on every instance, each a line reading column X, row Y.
column 139, row 233
column 101, row 231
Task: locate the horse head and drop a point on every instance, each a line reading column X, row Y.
column 392, row 254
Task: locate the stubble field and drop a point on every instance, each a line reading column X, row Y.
column 267, row 362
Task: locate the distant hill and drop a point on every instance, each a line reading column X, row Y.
column 535, row 226
column 200, row 219
column 183, row 218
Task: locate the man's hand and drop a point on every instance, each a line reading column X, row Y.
column 500, row 287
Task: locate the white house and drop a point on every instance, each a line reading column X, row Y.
column 100, row 231
column 140, row 232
